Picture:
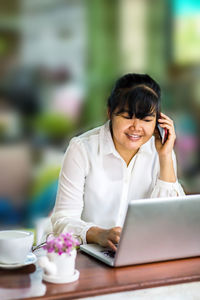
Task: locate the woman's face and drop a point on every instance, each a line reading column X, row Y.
column 130, row 134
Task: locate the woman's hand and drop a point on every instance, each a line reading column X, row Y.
column 166, row 148
column 167, row 172
column 104, row 237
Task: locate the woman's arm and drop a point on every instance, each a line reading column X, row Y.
column 167, row 172
column 166, row 184
column 69, row 201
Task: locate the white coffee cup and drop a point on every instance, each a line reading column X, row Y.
column 15, row 246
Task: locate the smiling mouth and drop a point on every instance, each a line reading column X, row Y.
column 133, row 137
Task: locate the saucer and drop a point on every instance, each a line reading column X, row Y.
column 55, row 279
column 30, row 259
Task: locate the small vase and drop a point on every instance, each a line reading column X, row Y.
column 59, row 268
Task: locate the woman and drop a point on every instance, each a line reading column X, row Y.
column 104, row 168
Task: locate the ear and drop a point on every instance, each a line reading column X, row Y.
column 108, row 114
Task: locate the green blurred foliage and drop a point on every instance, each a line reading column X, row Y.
column 53, row 126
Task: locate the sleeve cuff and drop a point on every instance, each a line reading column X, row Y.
column 167, row 189
column 168, row 185
column 84, row 232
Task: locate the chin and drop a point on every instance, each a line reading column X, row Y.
column 134, row 147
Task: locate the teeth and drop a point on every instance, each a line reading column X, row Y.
column 135, row 136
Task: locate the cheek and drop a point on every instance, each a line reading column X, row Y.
column 150, row 130
column 117, row 127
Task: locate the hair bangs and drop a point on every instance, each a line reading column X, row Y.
column 139, row 102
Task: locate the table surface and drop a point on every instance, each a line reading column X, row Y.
column 96, row 278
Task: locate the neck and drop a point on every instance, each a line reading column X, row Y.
column 127, row 157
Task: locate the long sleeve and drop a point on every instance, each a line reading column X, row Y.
column 69, row 201
column 167, row 189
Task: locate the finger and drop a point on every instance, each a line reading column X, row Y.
column 117, row 232
column 168, row 127
column 165, row 116
column 118, row 228
column 114, row 237
column 112, row 246
column 161, row 121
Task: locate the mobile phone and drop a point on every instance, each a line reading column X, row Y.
column 163, row 133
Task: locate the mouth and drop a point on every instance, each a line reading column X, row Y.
column 133, row 137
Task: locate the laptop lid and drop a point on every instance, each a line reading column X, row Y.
column 160, row 229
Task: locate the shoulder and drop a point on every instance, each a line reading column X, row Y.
column 90, row 134
column 88, row 139
column 80, row 148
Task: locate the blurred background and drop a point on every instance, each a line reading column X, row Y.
column 58, row 62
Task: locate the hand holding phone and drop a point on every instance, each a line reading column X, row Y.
column 164, row 135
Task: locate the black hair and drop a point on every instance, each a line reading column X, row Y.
column 136, row 94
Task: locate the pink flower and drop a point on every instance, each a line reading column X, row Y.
column 64, row 243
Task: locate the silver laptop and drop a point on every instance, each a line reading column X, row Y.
column 155, row 230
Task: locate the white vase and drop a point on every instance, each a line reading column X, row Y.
column 60, row 266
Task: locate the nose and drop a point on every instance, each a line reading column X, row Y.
column 135, row 124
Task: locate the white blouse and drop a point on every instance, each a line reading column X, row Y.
column 95, row 184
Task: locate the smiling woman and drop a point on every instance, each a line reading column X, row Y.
column 124, row 159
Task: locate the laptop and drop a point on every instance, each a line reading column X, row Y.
column 155, row 229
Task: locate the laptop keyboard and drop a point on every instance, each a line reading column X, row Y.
column 109, row 253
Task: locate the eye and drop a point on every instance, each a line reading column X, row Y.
column 125, row 116
column 148, row 120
